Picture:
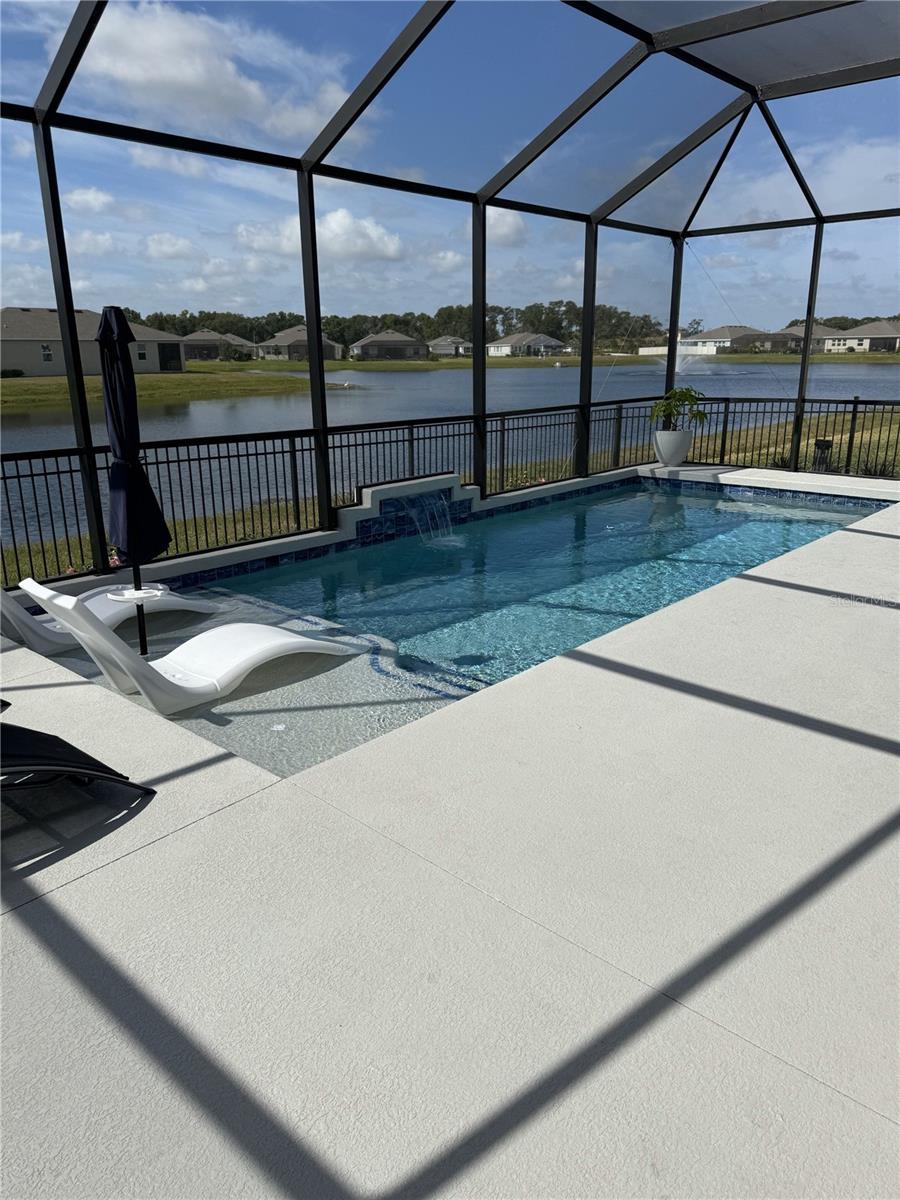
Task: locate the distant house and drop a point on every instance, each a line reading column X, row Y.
column 825, row 340
column 388, row 344
column 32, row 343
column 781, row 342
column 874, row 336
column 450, row 346
column 293, row 344
column 720, row 338
column 517, row 345
column 206, row 344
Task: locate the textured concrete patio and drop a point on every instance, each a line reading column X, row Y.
column 623, row 925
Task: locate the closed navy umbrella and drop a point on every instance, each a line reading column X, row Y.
column 136, row 526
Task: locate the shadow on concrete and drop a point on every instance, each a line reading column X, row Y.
column 45, row 824
column 871, row 533
column 266, row 1142
column 843, row 597
column 283, row 1158
column 772, row 712
column 613, row 1038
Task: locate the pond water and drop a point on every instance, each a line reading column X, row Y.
column 403, row 395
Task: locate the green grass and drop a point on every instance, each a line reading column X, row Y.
column 73, row 556
column 26, row 394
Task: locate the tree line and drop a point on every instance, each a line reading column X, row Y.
column 841, row 322
column 614, row 328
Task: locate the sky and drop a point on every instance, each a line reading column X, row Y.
column 160, row 230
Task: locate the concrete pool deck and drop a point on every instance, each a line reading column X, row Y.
column 622, row 925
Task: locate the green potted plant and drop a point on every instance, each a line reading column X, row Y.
column 677, row 411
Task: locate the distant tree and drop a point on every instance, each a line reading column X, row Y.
column 693, row 327
column 615, row 328
column 132, row 314
column 842, row 322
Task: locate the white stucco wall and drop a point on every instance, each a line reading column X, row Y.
column 27, row 356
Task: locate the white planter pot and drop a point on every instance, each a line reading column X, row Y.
column 672, row 445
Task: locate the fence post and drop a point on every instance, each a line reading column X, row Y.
column 295, row 484
column 799, row 410
column 410, row 453
column 617, row 438
column 501, row 453
column 674, row 319
column 68, row 331
column 581, row 457
column 851, row 435
column 724, row 438
column 310, row 260
column 479, row 345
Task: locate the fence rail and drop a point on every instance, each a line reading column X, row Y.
column 221, row 491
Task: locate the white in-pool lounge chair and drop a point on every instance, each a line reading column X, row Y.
column 204, row 669
column 46, row 635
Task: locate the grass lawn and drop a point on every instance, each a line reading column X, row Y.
column 22, row 394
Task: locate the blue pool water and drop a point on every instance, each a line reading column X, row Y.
column 501, row 595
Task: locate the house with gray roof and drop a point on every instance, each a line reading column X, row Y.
column 450, row 346
column 32, row 344
column 873, row 337
column 824, row 339
column 207, row 344
column 293, row 344
column 721, row 337
column 517, row 345
column 388, row 344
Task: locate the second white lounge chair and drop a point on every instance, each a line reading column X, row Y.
column 204, row 669
column 46, row 635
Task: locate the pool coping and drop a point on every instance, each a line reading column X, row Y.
column 387, row 513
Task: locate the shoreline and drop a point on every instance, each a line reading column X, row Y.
column 226, row 381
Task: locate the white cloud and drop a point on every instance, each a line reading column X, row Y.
column 25, row 283
column 88, row 199
column 506, row 228
column 724, row 261
column 47, row 19
column 291, row 121
column 21, row 147
column 197, row 285
column 168, row 245
column 280, row 237
column 86, row 242
column 191, row 62
column 16, row 240
column 853, row 175
column 573, row 278
column 190, row 165
column 446, row 261
column 343, row 236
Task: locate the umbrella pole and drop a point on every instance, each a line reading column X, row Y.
column 139, row 608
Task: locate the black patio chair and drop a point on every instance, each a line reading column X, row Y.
column 32, row 759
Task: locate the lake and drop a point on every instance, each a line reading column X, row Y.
column 404, row 395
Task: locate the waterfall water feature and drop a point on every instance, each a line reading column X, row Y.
column 431, row 514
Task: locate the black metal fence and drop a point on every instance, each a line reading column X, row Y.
column 221, row 491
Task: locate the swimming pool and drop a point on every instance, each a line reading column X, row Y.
column 494, row 597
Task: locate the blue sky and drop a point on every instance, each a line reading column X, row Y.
column 160, row 230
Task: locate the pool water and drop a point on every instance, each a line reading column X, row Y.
column 501, row 595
